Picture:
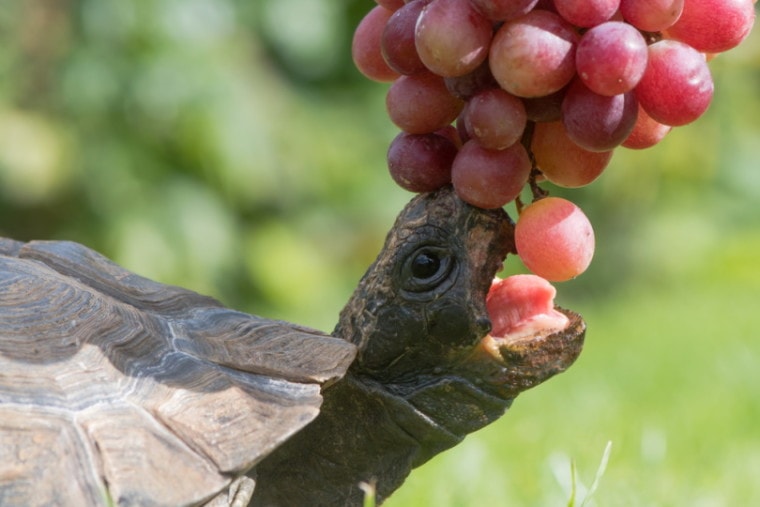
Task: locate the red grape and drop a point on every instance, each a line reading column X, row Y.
column 546, row 108
column 596, row 122
column 554, row 239
column 471, row 83
column 452, row 38
column 646, row 133
column 713, row 26
column 651, row 15
column 563, row 162
column 489, row 178
column 534, row 55
column 502, row 10
column 365, row 47
column 451, row 133
column 495, row 118
column 421, row 162
column 611, row 58
column 677, row 86
column 462, row 129
column 397, row 43
column 586, row 13
column 420, row 103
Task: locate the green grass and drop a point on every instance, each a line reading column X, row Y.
column 670, row 375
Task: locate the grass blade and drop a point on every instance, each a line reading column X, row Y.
column 599, row 473
column 369, row 493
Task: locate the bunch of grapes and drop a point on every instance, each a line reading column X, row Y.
column 494, row 95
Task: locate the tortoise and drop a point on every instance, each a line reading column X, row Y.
column 118, row 390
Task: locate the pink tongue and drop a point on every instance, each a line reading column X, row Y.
column 523, row 304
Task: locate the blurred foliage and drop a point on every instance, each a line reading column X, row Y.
column 168, row 136
column 230, row 146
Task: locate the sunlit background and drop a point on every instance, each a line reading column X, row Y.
column 231, row 147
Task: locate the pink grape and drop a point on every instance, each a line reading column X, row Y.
column 502, row 10
column 471, row 83
column 586, row 13
column 546, row 108
column 534, row 55
column 596, row 122
column 420, row 103
column 398, row 44
column 489, row 178
column 365, row 47
column 713, row 26
column 451, row 133
column 452, row 38
column 554, row 239
column 563, row 162
column 495, row 118
column 611, row 58
column 651, row 15
column 677, row 86
column 421, row 162
column 461, row 128
column 646, row 133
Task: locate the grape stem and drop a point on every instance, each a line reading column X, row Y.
column 652, row 37
column 536, row 190
column 527, row 140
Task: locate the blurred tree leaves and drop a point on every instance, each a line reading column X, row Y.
column 231, row 147
column 166, row 135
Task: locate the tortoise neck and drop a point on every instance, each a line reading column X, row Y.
column 362, row 434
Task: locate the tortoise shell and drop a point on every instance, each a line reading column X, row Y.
column 137, row 392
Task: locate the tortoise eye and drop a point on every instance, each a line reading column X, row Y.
column 425, row 265
column 427, row 269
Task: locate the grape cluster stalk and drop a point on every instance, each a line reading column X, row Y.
column 492, row 96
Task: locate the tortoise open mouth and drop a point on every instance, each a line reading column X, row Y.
column 521, row 307
column 531, row 339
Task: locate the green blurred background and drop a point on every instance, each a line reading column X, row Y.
column 230, row 147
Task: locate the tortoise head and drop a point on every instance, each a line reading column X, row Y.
column 428, row 370
column 419, row 314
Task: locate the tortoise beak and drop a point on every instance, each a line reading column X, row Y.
column 514, row 364
column 509, row 365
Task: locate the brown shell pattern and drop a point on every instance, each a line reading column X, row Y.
column 118, row 390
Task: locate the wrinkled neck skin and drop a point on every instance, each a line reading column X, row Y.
column 417, row 316
column 363, row 434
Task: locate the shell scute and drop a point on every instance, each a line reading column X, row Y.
column 38, row 448
column 134, row 459
column 266, row 347
column 106, row 277
column 237, row 426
